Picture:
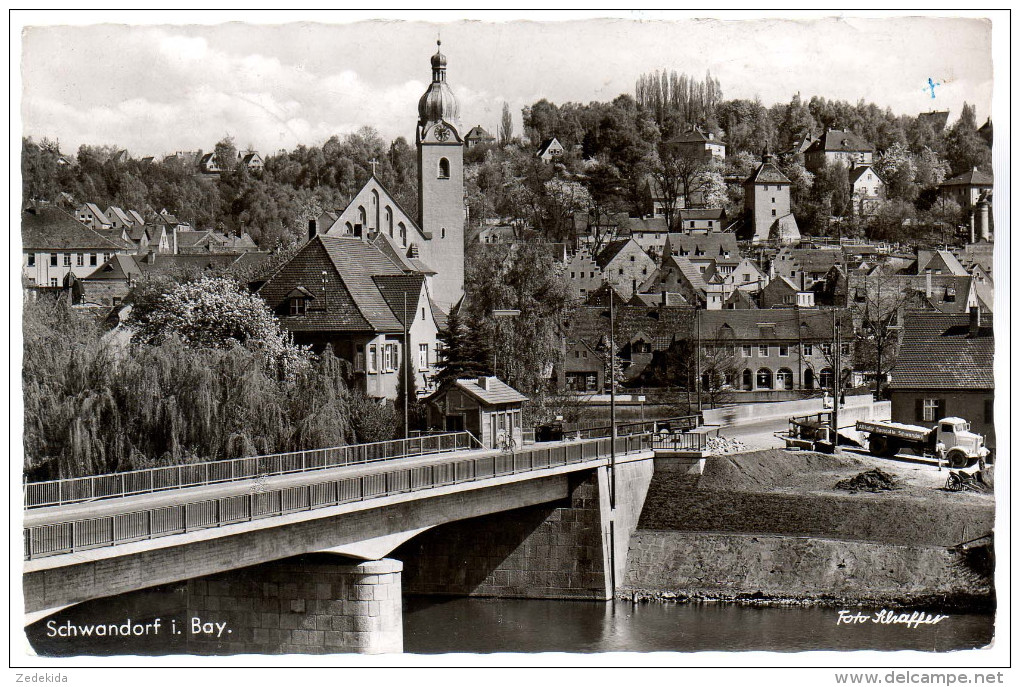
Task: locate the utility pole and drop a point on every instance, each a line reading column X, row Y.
column 612, row 400
column 836, row 383
column 697, row 357
column 407, row 365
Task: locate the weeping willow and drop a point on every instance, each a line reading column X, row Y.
column 94, row 405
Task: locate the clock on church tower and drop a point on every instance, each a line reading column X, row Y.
column 441, row 184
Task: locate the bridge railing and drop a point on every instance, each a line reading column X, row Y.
column 120, row 528
column 690, row 441
column 80, row 489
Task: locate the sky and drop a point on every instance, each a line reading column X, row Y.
column 154, row 89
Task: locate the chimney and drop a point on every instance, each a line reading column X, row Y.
column 483, row 382
column 975, row 320
column 927, row 283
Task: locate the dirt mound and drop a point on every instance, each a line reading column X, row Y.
column 870, row 480
column 762, row 470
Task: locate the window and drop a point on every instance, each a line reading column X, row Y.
column 106, row 257
column 387, row 351
column 93, row 259
column 711, row 224
column 444, row 168
column 620, row 270
column 389, row 220
column 826, row 349
column 808, row 349
column 31, row 259
column 692, row 224
column 930, row 409
column 745, row 351
column 763, row 351
column 298, row 306
column 53, row 259
column 763, row 380
column 766, row 187
column 773, row 212
column 591, row 275
column 67, row 259
column 844, row 349
column 784, row 351
column 442, row 233
column 773, row 199
column 572, row 275
column 79, row 259
column 359, row 358
column 403, row 234
column 632, row 258
column 373, row 362
column 53, row 281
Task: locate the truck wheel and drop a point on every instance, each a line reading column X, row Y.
column 958, row 459
column 877, row 445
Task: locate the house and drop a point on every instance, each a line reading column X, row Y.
column 583, row 368
column 118, row 218
column 867, row 189
column 55, row 246
column 346, row 294
column 985, row 131
column 208, row 164
column 486, row 407
column 252, row 161
column 781, row 293
column 702, row 221
column 583, row 273
column 625, row 265
column 939, row 262
column 649, row 232
column 767, row 210
column 550, row 150
column 679, row 275
column 478, row 136
column 804, row 267
column 838, row 146
column 90, row 215
column 936, row 119
column 966, row 189
column 652, row 200
column 701, row 146
column 944, row 369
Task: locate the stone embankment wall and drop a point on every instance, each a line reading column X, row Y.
column 762, row 526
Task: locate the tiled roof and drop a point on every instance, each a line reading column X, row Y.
column 696, row 136
column 135, row 217
column 937, row 119
column 857, row 172
column 99, row 214
column 393, row 288
column 767, row 173
column 709, row 213
column 119, row 267
column 137, row 232
column 439, row 315
column 498, row 392
column 939, row 353
column 546, row 144
column 352, row 300
column 971, row 178
column 611, row 250
column 49, row 228
column 642, row 224
column 708, row 245
column 114, row 212
column 836, row 140
column 478, row 132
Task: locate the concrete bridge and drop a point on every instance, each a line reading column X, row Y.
column 295, row 559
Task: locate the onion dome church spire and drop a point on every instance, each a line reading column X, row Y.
column 438, row 103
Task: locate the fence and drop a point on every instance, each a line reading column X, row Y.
column 679, row 442
column 571, row 430
column 79, row 489
column 121, row 528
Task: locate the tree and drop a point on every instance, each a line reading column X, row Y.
column 896, row 168
column 562, row 200
column 965, row 149
column 212, row 312
column 877, row 302
column 719, row 369
column 462, row 353
column 506, row 127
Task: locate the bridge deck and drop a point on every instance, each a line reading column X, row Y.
column 161, row 499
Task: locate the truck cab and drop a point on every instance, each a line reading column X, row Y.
column 954, row 433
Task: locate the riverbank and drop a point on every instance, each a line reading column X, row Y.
column 769, row 527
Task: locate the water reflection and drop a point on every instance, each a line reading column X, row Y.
column 433, row 625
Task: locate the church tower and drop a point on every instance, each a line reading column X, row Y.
column 441, row 185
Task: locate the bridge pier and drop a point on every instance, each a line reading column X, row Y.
column 314, row 604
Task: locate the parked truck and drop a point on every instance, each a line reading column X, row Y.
column 950, row 440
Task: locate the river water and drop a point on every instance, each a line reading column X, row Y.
column 436, row 625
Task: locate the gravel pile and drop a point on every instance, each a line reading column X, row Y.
column 722, row 446
column 870, row 480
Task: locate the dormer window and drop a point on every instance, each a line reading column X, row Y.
column 297, row 301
